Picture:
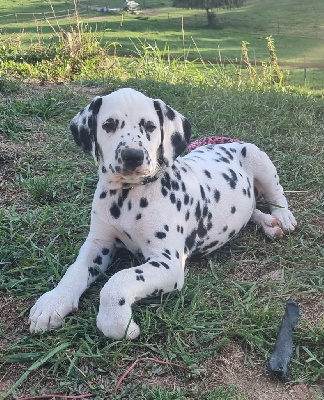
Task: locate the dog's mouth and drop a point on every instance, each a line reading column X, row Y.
column 138, row 176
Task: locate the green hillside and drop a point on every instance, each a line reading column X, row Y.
column 296, row 26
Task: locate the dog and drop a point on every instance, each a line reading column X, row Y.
column 152, row 201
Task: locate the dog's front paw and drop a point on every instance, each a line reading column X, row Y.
column 50, row 309
column 287, row 220
column 117, row 323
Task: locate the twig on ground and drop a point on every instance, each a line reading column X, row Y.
column 57, row 396
column 296, row 191
column 121, row 379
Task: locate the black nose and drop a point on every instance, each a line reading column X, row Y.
column 132, row 158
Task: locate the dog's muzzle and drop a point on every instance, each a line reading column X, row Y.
column 132, row 158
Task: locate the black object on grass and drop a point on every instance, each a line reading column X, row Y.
column 280, row 357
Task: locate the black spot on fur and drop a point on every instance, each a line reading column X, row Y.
column 216, row 195
column 233, row 210
column 232, row 180
column 138, row 216
column 190, row 239
column 115, row 210
column 225, row 160
column 138, row 271
column 205, row 211
column 173, row 198
column 160, row 235
column 166, row 181
column 170, row 113
column 202, row 192
column 229, row 155
column 175, row 185
column 105, row 251
column 165, row 265
column 166, row 256
column 143, row 202
column 186, row 129
column 98, row 260
column 198, row 211
column 201, row 230
column 121, row 302
column 103, row 194
column 187, row 215
column 210, row 246
column 178, row 143
column 243, row 151
column 93, row 271
column 207, row 173
column 155, row 264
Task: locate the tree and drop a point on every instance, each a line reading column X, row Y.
column 208, row 6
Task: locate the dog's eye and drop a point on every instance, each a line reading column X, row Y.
column 110, row 125
column 149, row 126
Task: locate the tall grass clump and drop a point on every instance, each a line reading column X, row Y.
column 150, row 62
column 70, row 55
column 80, row 54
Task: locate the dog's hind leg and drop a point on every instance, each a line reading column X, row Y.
column 266, row 184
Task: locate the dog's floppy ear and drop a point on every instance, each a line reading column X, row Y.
column 84, row 128
column 175, row 132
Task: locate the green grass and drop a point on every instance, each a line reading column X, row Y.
column 227, row 299
column 46, row 187
column 295, row 25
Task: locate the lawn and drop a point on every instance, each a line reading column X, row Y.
column 295, row 25
column 210, row 341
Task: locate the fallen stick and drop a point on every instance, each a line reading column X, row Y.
column 57, row 396
column 280, row 357
column 120, row 380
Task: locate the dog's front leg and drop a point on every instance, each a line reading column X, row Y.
column 127, row 286
column 49, row 310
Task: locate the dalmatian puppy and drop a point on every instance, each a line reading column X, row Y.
column 150, row 200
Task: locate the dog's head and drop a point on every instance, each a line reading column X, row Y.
column 130, row 136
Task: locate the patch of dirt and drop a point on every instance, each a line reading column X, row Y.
column 10, row 153
column 35, row 87
column 312, row 309
column 152, row 11
column 11, row 323
column 11, row 319
column 231, row 368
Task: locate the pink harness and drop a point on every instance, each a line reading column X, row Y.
column 211, row 140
